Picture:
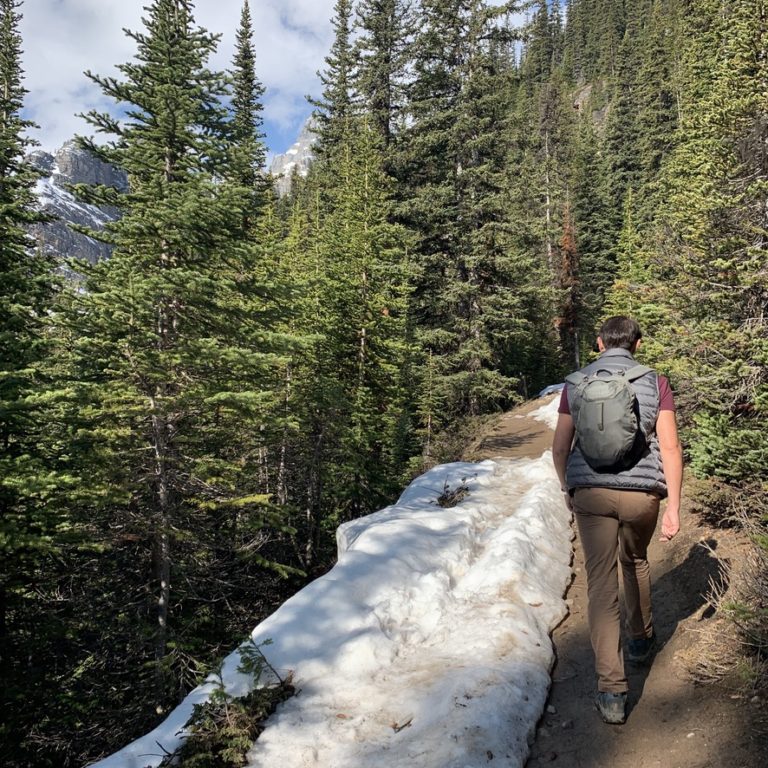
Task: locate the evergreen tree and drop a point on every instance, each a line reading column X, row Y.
column 540, row 165
column 717, row 182
column 27, row 523
column 335, row 108
column 621, row 129
column 543, row 44
column 247, row 135
column 471, row 305
column 593, row 228
column 364, row 346
column 608, row 22
column 593, row 37
column 346, row 389
column 173, row 347
column 541, row 112
column 639, row 283
column 574, row 43
column 569, row 285
column 530, row 236
column 657, row 100
column 639, row 134
column 434, row 163
column 381, row 51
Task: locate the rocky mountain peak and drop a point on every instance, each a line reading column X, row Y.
column 72, row 165
column 297, row 159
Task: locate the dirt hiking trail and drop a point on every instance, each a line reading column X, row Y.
column 672, row 722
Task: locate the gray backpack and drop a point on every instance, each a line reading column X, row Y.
column 606, row 416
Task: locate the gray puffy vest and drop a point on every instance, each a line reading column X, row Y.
column 646, row 474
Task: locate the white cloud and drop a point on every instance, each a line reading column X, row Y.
column 63, row 38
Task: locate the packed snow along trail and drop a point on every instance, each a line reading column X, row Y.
column 435, row 639
column 427, row 644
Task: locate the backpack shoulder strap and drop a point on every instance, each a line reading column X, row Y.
column 636, row 372
column 630, row 374
column 575, row 378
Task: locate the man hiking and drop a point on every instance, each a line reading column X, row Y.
column 617, row 454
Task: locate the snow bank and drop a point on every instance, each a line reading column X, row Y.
column 547, row 412
column 427, row 644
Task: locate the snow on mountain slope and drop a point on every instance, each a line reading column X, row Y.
column 67, row 206
column 297, row 159
column 72, row 165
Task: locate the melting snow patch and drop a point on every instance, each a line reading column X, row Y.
column 547, row 413
column 428, row 643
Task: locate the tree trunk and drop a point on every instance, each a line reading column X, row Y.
column 281, row 482
column 167, row 328
column 163, row 519
column 576, row 356
column 3, row 621
column 548, row 202
column 314, row 493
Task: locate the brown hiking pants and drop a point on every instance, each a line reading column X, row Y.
column 616, row 526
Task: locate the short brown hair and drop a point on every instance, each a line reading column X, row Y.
column 620, row 331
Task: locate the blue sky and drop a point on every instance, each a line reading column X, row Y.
column 63, row 38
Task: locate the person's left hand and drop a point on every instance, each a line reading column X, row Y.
column 670, row 523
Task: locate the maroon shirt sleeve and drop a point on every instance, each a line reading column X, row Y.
column 666, row 398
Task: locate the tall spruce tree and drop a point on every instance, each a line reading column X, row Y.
column 621, row 128
column 657, row 100
column 347, row 386
column 468, row 310
column 540, row 166
column 250, row 154
column 381, row 51
column 433, row 162
column 639, row 135
column 593, row 227
column 30, row 521
column 575, row 60
column 607, row 22
column 542, row 45
column 569, row 283
column 593, row 36
column 337, row 104
column 365, row 269
column 172, row 347
column 717, row 182
column 26, row 291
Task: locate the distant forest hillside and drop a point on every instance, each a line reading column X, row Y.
column 185, row 427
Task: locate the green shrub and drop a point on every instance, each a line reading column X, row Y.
column 223, row 729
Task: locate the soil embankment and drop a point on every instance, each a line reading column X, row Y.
column 672, row 722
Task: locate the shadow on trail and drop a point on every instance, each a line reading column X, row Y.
column 677, row 594
column 496, row 445
column 682, row 590
column 669, row 725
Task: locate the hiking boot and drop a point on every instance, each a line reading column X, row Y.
column 611, row 707
column 639, row 651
